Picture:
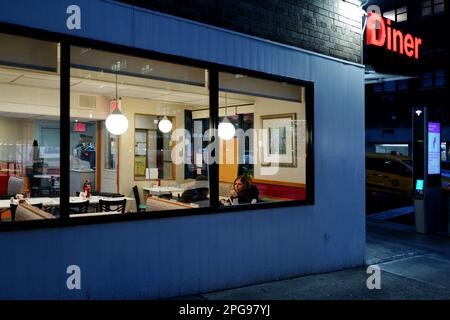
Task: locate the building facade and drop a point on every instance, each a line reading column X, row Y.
column 70, row 72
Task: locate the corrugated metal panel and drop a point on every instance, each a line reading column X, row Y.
column 136, row 27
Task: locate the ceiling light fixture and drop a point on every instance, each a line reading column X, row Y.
column 165, row 125
column 116, row 123
column 226, row 128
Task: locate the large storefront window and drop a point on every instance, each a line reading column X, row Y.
column 263, row 140
column 29, row 129
column 142, row 168
column 140, row 136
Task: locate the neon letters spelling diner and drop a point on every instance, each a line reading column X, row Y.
column 392, row 38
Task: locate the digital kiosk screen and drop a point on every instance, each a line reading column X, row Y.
column 434, row 148
column 419, row 185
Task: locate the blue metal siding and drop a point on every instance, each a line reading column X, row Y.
column 186, row 255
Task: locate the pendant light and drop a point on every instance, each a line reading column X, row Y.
column 116, row 123
column 165, row 125
column 226, row 128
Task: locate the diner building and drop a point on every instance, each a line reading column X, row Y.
column 149, row 151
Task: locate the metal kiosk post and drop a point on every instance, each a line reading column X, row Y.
column 426, row 171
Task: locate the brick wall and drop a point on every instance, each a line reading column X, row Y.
column 330, row 27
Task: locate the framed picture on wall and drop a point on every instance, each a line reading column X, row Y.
column 279, row 147
column 139, row 166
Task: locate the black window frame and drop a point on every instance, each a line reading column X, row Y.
column 397, row 13
column 432, row 7
column 66, row 41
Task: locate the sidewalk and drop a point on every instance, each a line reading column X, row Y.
column 413, row 266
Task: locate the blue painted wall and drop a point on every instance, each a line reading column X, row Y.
column 186, row 255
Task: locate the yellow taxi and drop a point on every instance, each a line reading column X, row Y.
column 389, row 173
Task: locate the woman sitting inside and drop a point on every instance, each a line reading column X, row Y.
column 244, row 191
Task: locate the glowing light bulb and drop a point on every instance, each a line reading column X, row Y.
column 226, row 129
column 116, row 123
column 165, row 125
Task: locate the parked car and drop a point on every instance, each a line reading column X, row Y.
column 389, row 173
column 445, row 174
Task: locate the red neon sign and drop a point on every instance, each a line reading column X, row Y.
column 392, row 38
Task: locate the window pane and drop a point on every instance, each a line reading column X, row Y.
column 389, row 86
column 439, row 80
column 389, row 15
column 426, row 3
column 239, row 83
column 29, row 129
column 155, row 164
column 264, row 160
column 21, row 52
column 402, row 17
column 401, row 10
column 426, row 8
column 439, row 8
column 427, row 79
column 378, row 87
column 402, row 85
column 426, row 11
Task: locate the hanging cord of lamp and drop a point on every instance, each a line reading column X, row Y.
column 116, row 123
column 226, row 128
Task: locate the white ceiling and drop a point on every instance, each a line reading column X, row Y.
column 91, row 82
column 27, row 116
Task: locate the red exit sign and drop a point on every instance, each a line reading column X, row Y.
column 380, row 33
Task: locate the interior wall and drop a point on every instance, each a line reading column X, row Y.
column 264, row 107
column 29, row 100
column 130, row 107
column 100, row 112
column 45, row 102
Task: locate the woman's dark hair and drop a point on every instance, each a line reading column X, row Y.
column 246, row 181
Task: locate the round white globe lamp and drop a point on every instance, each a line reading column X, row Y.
column 165, row 125
column 116, row 123
column 226, row 129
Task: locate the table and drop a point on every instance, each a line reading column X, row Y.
column 157, row 204
column 46, row 176
column 93, row 214
column 54, row 202
column 156, row 191
column 48, row 202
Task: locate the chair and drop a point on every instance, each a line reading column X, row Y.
column 25, row 211
column 15, row 185
column 14, row 208
column 105, row 205
column 140, row 207
column 79, row 207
